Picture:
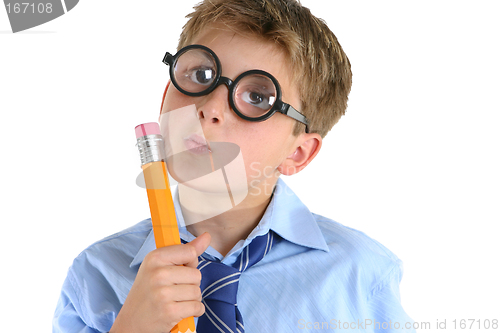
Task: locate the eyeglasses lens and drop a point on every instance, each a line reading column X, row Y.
column 254, row 95
column 195, row 70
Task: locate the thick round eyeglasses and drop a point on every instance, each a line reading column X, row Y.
column 254, row 95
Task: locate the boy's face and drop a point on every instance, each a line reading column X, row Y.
column 264, row 145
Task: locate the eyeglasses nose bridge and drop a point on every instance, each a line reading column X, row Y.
column 222, row 80
column 225, row 80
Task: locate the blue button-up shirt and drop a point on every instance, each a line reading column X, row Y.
column 322, row 276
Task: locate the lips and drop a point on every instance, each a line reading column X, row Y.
column 196, row 144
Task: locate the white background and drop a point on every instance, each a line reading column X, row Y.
column 414, row 163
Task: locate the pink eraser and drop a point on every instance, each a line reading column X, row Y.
column 146, row 129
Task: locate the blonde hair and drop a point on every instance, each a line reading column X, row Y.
column 313, row 52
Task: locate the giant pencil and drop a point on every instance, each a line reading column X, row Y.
column 153, row 162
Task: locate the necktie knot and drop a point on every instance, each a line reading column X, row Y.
column 219, row 282
column 219, row 285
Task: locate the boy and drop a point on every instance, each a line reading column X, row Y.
column 277, row 266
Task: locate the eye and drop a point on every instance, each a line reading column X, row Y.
column 201, row 75
column 254, row 95
column 257, row 98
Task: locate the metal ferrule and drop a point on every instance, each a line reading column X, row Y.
column 151, row 148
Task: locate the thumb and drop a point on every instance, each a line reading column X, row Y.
column 201, row 243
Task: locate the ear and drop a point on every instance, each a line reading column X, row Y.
column 308, row 147
column 163, row 99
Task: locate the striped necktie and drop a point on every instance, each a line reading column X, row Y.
column 219, row 285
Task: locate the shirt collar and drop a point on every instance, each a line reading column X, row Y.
column 292, row 220
column 286, row 215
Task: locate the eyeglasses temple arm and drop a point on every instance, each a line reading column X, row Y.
column 291, row 112
column 168, row 59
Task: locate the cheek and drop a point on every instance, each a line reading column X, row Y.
column 261, row 158
column 174, row 99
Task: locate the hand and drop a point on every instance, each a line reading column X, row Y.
column 164, row 292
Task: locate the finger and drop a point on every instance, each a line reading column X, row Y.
column 174, row 275
column 189, row 308
column 201, row 243
column 171, row 255
column 185, row 292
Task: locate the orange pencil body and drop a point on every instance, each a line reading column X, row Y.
column 161, row 204
column 160, row 199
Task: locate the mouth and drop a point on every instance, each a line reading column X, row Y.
column 196, row 144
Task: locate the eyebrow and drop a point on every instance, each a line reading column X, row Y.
column 263, row 79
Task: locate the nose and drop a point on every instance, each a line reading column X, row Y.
column 213, row 107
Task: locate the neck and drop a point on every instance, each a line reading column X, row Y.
column 214, row 213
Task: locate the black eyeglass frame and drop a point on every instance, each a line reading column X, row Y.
column 278, row 105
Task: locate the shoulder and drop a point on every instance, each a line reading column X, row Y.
column 101, row 276
column 372, row 264
column 126, row 242
column 336, row 233
column 101, row 264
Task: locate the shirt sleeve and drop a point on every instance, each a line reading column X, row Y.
column 385, row 309
column 66, row 318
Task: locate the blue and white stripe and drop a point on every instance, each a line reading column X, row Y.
column 218, row 300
